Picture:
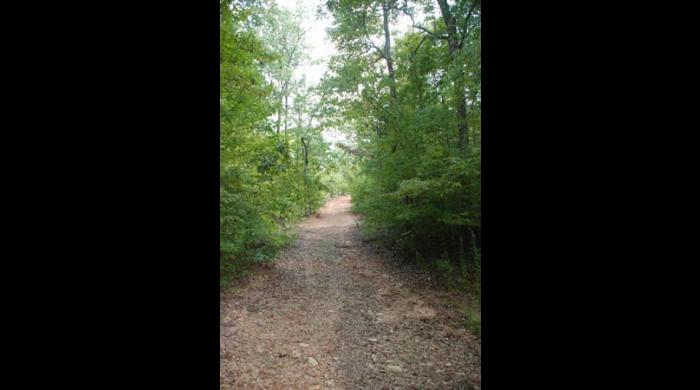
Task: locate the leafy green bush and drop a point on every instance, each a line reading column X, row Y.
column 415, row 116
column 268, row 179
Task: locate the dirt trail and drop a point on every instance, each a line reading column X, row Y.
column 333, row 313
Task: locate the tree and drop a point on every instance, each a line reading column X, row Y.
column 282, row 34
column 264, row 185
column 357, row 22
column 456, row 24
column 418, row 180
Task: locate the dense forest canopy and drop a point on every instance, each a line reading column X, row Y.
column 407, row 101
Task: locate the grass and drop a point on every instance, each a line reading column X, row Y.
column 472, row 321
column 469, row 284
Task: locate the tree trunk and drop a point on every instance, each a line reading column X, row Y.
column 279, row 119
column 463, row 125
column 286, row 107
column 304, row 143
column 387, row 49
column 282, row 103
column 461, row 106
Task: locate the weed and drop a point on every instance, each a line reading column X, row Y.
column 472, row 321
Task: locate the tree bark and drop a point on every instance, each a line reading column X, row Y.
column 386, row 14
column 286, row 108
column 461, row 106
column 279, row 119
column 304, row 143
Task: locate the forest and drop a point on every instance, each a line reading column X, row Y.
column 350, row 194
column 407, row 102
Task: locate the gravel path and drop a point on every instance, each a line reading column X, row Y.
column 334, row 313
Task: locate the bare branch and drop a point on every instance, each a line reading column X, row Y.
column 430, row 32
column 404, row 9
column 410, row 15
column 347, row 148
column 376, row 60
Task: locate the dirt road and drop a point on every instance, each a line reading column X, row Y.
column 333, row 313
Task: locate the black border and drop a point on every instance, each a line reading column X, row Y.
column 118, row 190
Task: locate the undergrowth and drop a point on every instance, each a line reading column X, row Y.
column 233, row 268
column 462, row 275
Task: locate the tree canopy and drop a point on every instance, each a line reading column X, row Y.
column 408, row 103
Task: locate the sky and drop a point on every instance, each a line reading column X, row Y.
column 320, row 50
column 320, row 46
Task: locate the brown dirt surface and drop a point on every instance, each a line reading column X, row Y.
column 334, row 313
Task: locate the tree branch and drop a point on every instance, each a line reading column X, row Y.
column 364, row 26
column 348, row 149
column 430, row 32
column 413, row 23
column 466, row 20
column 415, row 51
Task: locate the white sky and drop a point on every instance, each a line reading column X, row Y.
column 321, row 48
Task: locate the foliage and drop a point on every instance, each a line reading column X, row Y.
column 266, row 183
column 409, row 105
column 472, row 320
column 418, row 181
